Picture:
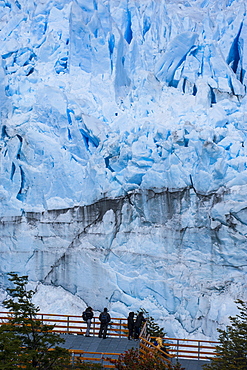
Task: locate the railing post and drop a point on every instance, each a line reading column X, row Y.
column 94, row 326
column 72, row 359
column 177, row 347
column 120, row 329
column 68, row 324
column 199, row 345
column 143, row 332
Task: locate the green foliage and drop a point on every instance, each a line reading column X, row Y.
column 176, row 366
column 25, row 341
column 132, row 359
column 232, row 351
column 9, row 344
column 153, row 329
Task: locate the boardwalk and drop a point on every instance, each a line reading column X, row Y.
column 115, row 345
column 192, row 364
column 94, row 344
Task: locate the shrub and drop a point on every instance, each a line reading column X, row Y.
column 132, row 359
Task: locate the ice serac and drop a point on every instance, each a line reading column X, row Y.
column 123, row 144
column 175, row 55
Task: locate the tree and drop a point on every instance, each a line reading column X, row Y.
column 9, row 344
column 232, row 351
column 24, row 340
column 153, row 329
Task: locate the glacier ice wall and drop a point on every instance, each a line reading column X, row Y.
column 123, row 154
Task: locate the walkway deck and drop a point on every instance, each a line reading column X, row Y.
column 115, row 345
column 94, row 344
column 192, row 364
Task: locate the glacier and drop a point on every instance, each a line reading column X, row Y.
column 123, row 149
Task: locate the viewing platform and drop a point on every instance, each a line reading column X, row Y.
column 191, row 353
column 98, row 349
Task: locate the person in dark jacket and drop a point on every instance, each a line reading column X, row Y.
column 131, row 324
column 87, row 316
column 138, row 323
column 104, row 319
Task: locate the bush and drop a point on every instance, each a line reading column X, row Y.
column 132, row 359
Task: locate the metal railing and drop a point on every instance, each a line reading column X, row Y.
column 191, row 348
column 178, row 348
column 72, row 324
column 102, row 358
column 147, row 347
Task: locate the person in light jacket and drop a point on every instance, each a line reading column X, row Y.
column 161, row 346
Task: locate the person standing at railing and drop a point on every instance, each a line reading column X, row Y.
column 138, row 324
column 104, row 319
column 87, row 316
column 131, row 324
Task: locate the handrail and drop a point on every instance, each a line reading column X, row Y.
column 80, row 356
column 191, row 348
column 192, row 340
column 197, row 349
column 147, row 346
column 143, row 333
column 74, row 324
